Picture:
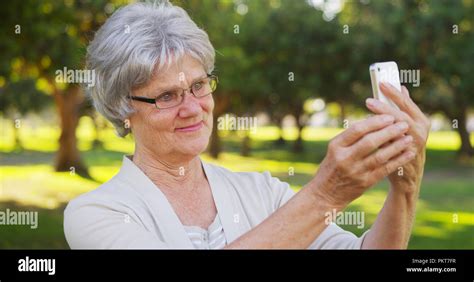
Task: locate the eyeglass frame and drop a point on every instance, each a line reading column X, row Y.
column 189, row 89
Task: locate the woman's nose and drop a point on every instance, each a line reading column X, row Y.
column 190, row 105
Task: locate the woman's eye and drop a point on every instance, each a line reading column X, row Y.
column 166, row 97
column 197, row 85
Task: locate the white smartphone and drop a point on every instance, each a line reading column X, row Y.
column 384, row 72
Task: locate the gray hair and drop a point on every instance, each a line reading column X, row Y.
column 136, row 41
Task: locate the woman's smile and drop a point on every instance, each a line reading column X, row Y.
column 191, row 128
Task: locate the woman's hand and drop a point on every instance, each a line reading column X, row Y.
column 361, row 156
column 408, row 178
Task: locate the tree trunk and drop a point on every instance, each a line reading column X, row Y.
column 298, row 145
column 466, row 150
column 221, row 104
column 215, row 146
column 17, row 146
column 459, row 114
column 458, row 111
column 280, row 141
column 97, row 143
column 245, row 148
column 68, row 157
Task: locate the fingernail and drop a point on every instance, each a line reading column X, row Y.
column 402, row 125
column 370, row 102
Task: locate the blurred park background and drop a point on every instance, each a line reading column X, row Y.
column 300, row 67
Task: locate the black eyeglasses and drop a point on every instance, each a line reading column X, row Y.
column 175, row 97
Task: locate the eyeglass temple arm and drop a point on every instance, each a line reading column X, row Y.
column 142, row 99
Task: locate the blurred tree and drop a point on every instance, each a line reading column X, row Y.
column 435, row 38
column 49, row 36
column 285, row 62
column 16, row 100
column 272, row 55
column 439, row 38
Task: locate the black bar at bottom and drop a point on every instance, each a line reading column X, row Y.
column 223, row 265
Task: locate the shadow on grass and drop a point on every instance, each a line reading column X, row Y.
column 96, row 157
column 48, row 234
column 26, row 157
column 315, row 151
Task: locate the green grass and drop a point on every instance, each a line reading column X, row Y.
column 28, row 181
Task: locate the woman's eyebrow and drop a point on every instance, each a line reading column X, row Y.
column 174, row 87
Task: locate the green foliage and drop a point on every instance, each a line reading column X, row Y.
column 22, row 97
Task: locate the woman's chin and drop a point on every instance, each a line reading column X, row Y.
column 195, row 148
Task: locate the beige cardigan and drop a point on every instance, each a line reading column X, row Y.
column 129, row 211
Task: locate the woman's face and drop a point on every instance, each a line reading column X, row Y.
column 179, row 133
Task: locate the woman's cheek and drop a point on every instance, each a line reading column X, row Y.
column 162, row 120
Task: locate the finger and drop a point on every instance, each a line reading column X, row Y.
column 378, row 107
column 391, row 141
column 417, row 111
column 401, row 99
column 374, row 140
column 405, row 91
column 359, row 129
column 383, row 155
column 393, row 164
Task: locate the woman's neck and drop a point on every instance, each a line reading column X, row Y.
column 170, row 173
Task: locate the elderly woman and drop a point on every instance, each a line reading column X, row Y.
column 154, row 80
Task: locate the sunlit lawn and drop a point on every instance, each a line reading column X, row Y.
column 29, row 182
